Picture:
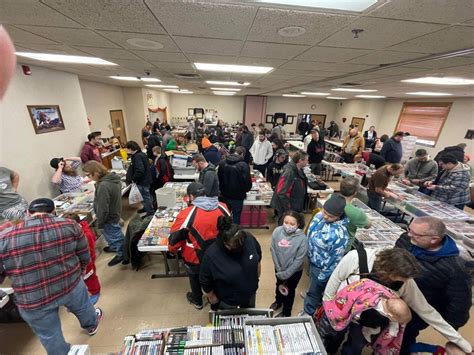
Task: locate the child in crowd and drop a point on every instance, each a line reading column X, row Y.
column 289, row 248
column 90, row 277
column 360, row 297
column 327, row 240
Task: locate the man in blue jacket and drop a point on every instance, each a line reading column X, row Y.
column 392, row 149
column 444, row 281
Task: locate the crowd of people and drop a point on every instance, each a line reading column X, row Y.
column 381, row 298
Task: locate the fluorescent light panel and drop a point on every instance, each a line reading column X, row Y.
column 371, row 96
column 126, row 78
column 352, row 5
column 428, row 93
column 153, row 80
column 309, row 93
column 232, row 68
column 440, row 81
column 180, row 91
column 229, row 83
column 353, row 90
column 163, row 86
column 293, row 95
column 62, row 58
column 336, row 98
column 224, row 93
column 225, row 89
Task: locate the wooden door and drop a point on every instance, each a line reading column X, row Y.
column 359, row 122
column 118, row 125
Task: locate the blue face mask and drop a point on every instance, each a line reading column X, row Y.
column 289, row 229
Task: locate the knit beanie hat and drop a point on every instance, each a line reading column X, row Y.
column 206, row 143
column 335, row 205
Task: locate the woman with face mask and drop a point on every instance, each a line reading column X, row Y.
column 289, row 248
column 231, row 267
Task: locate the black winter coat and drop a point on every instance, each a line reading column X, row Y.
column 139, row 170
column 234, row 177
column 316, row 151
column 458, row 152
column 291, row 189
column 444, row 283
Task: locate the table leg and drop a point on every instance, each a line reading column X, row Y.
column 167, row 272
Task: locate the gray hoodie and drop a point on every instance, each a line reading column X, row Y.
column 288, row 252
column 206, row 203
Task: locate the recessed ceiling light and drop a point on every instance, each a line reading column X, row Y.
column 230, row 83
column 144, row 43
column 428, row 93
column 233, row 68
column 127, row 78
column 62, row 58
column 336, row 98
column 224, row 93
column 440, row 81
column 354, row 90
column 163, row 86
column 291, row 31
column 371, row 96
column 293, row 95
column 352, row 5
column 315, row 93
column 225, row 89
column 155, row 80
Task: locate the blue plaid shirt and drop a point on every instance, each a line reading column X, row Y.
column 70, row 183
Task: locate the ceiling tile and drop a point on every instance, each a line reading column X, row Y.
column 121, row 39
column 470, row 22
column 317, row 25
column 132, row 64
column 386, row 57
column 162, row 56
column 209, row 46
column 27, row 12
column 271, row 50
column 210, row 20
column 397, row 70
column 208, row 58
column 113, row 15
column 275, row 63
column 444, row 63
column 55, row 48
column 330, row 54
column 438, row 11
column 23, row 37
column 70, row 36
column 287, row 73
column 379, row 33
column 330, row 67
column 110, row 53
column 174, row 67
column 449, row 39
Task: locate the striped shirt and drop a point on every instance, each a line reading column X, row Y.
column 44, row 256
column 70, row 183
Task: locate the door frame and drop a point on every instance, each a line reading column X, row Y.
column 123, row 126
column 361, row 129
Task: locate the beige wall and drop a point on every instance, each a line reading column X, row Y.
column 99, row 100
column 295, row 105
column 371, row 110
column 460, row 119
column 229, row 109
column 159, row 99
column 135, row 111
column 28, row 153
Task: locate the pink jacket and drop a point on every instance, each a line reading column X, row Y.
column 355, row 298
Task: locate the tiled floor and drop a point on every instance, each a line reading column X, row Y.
column 132, row 301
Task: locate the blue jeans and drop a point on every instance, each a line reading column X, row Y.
column 114, row 237
column 147, row 201
column 236, row 207
column 375, row 201
column 314, row 296
column 46, row 324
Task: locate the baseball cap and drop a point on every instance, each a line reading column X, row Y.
column 45, row 205
column 421, row 153
column 55, row 162
column 196, row 189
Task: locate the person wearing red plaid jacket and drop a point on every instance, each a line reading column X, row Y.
column 45, row 257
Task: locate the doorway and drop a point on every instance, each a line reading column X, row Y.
column 359, row 122
column 118, row 125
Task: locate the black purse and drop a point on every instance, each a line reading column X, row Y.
column 317, row 185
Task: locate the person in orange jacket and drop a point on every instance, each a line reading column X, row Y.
column 193, row 231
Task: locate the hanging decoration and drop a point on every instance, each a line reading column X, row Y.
column 158, row 109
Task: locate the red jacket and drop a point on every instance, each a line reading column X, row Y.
column 90, row 277
column 90, row 152
column 205, row 224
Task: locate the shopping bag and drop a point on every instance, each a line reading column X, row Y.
column 135, row 196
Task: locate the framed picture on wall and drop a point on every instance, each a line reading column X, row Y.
column 46, row 118
column 269, row 119
column 290, row 119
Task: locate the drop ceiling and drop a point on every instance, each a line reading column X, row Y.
column 325, row 56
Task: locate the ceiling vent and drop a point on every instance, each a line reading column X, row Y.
column 187, row 76
column 350, row 84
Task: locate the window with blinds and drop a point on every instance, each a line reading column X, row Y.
column 425, row 120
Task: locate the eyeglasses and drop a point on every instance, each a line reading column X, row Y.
column 410, row 231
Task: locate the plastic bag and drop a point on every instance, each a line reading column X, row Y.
column 135, row 196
